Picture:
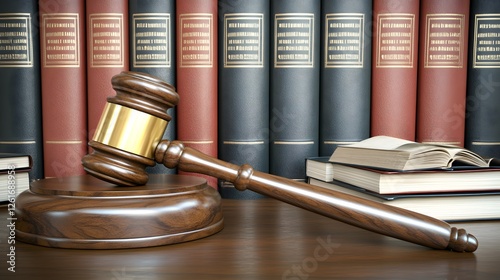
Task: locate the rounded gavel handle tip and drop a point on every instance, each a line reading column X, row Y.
column 461, row 241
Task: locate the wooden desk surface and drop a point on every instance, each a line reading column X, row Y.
column 264, row 239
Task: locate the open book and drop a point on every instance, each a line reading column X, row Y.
column 398, row 154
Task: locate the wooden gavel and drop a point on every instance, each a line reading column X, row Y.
column 128, row 139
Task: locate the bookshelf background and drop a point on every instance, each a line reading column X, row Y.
column 343, row 46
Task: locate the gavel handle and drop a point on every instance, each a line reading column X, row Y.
column 373, row 216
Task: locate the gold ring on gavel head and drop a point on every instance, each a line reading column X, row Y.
column 130, row 130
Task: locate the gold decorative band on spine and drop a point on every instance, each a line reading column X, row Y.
column 130, row 130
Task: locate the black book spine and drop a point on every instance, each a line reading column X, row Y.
column 243, row 87
column 152, row 50
column 294, row 94
column 345, row 73
column 482, row 129
column 20, row 100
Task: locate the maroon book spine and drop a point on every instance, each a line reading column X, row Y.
column 394, row 68
column 196, row 38
column 63, row 86
column 107, row 53
column 442, row 71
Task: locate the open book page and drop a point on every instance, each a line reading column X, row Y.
column 399, row 154
column 449, row 152
column 471, row 158
column 381, row 143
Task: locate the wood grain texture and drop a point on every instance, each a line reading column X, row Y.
column 84, row 212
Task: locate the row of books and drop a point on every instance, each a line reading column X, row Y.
column 445, row 182
column 268, row 83
column 408, row 69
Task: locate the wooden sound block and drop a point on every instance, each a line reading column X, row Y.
column 86, row 213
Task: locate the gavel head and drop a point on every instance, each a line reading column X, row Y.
column 131, row 126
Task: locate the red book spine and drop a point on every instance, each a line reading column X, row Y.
column 394, row 68
column 197, row 76
column 443, row 71
column 107, row 53
column 63, row 86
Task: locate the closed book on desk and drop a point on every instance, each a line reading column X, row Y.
column 345, row 91
column 422, row 181
column 196, row 39
column 14, row 175
column 294, row 93
column 445, row 206
column 22, row 183
column 442, row 73
column 20, row 100
column 394, row 68
column 319, row 168
column 107, row 47
column 152, row 50
column 243, row 87
column 64, row 86
column 482, row 132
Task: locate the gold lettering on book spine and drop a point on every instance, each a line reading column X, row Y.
column 344, row 44
column 486, row 45
column 107, row 41
column 444, row 41
column 294, row 40
column 60, row 40
column 152, row 44
column 243, row 40
column 395, row 40
column 16, row 43
column 196, row 36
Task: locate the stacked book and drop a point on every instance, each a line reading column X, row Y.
column 442, row 181
column 14, row 176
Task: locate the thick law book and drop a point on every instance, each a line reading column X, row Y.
column 319, row 168
column 445, row 206
column 294, row 93
column 152, row 50
column 394, row 68
column 64, row 86
column 399, row 154
column 12, row 183
column 442, row 73
column 196, row 39
column 12, row 161
column 20, row 100
column 422, row 181
column 243, row 79
column 482, row 132
column 14, row 175
column 107, row 53
column 345, row 89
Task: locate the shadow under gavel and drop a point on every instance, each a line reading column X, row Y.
column 128, row 139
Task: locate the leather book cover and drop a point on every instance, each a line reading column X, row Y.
column 442, row 74
column 482, row 129
column 394, row 68
column 196, row 40
column 152, row 51
column 294, row 94
column 243, row 86
column 345, row 73
column 20, row 100
column 64, row 86
column 107, row 53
